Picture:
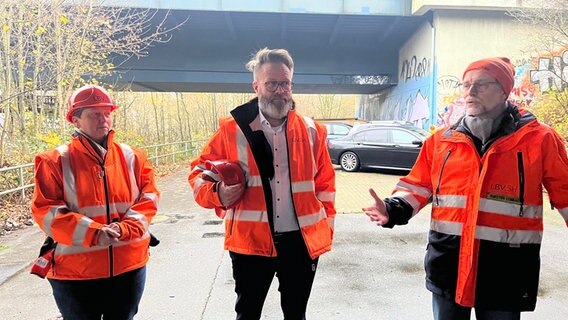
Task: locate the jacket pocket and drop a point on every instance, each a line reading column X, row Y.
column 507, row 276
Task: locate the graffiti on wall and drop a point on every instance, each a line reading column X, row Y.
column 524, row 90
column 360, row 79
column 551, row 72
column 453, row 107
column 414, row 69
column 413, row 107
column 408, row 103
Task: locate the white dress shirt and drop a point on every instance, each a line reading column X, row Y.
column 282, row 204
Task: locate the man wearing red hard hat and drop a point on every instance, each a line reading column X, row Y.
column 94, row 199
column 485, row 177
column 279, row 206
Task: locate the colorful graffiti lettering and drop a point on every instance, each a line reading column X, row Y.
column 552, row 72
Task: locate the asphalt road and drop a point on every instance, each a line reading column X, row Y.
column 372, row 273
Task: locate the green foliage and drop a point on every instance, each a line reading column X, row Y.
column 551, row 108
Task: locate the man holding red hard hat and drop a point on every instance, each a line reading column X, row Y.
column 279, row 213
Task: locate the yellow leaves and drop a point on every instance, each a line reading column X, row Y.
column 551, row 108
column 51, row 139
column 40, row 30
column 63, row 19
column 5, row 28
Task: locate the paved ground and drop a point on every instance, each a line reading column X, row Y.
column 371, row 273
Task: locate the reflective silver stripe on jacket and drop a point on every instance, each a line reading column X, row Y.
column 312, row 219
column 326, row 196
column 130, row 157
column 312, row 135
column 508, row 236
column 510, row 209
column 489, row 233
column 69, row 189
column 62, row 249
column 450, row 201
column 421, row 191
column 248, row 215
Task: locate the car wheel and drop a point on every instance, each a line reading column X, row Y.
column 349, row 161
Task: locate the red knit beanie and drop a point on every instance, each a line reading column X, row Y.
column 499, row 68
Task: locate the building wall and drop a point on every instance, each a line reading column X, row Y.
column 466, row 36
column 460, row 37
column 411, row 99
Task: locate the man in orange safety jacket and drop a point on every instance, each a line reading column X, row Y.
column 95, row 198
column 485, row 177
column 279, row 219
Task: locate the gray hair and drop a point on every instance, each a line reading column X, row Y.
column 266, row 55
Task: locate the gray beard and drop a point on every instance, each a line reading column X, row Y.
column 273, row 111
column 483, row 127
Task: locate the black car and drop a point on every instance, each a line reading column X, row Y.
column 378, row 144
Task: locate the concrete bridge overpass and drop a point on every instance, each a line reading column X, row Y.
column 404, row 56
column 345, row 46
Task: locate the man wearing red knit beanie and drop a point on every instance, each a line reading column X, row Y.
column 484, row 176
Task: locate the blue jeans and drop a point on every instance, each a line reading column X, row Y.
column 113, row 298
column 445, row 309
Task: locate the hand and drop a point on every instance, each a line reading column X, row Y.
column 107, row 236
column 230, row 194
column 116, row 228
column 378, row 211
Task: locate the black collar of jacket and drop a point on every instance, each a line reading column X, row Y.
column 261, row 150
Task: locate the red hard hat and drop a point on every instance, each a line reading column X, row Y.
column 229, row 172
column 89, row 96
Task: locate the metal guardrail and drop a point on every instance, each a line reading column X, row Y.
column 21, row 181
column 165, row 150
column 157, row 153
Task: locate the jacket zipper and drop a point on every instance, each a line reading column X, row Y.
column 53, row 258
column 232, row 220
column 521, row 181
column 110, row 253
column 441, row 173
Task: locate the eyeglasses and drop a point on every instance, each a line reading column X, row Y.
column 477, row 86
column 273, row 85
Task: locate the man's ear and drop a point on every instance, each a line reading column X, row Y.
column 255, row 86
column 75, row 121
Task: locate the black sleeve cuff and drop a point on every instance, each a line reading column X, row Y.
column 399, row 211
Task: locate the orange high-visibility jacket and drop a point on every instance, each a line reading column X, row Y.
column 248, row 228
column 495, row 204
column 77, row 192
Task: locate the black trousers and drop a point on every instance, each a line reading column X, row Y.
column 445, row 309
column 293, row 267
column 115, row 298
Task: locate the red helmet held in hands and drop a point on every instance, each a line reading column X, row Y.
column 90, row 96
column 229, row 172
